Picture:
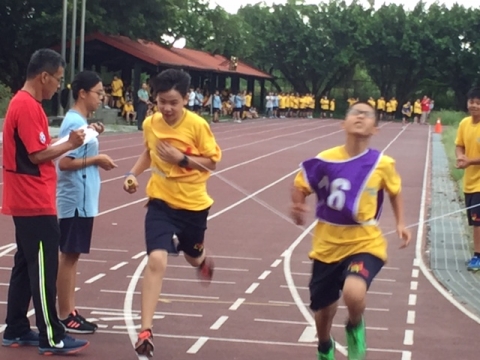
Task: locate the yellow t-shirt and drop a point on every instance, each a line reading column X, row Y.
column 248, row 100
column 324, row 103
column 332, row 243
column 117, row 87
column 180, row 188
column 371, row 102
column 381, row 104
column 417, row 108
column 468, row 136
column 389, row 106
column 332, row 105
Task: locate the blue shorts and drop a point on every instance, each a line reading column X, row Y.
column 327, row 280
column 162, row 222
column 76, row 234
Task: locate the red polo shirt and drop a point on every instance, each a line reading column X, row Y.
column 28, row 189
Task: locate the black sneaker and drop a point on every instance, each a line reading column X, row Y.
column 76, row 324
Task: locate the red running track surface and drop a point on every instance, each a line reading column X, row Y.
column 257, row 305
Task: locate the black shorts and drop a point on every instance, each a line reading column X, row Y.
column 327, row 280
column 76, row 234
column 162, row 222
column 473, row 214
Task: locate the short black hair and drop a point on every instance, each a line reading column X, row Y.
column 171, row 79
column 44, row 60
column 474, row 93
column 370, row 106
column 84, row 80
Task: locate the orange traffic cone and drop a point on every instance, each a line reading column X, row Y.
column 438, row 127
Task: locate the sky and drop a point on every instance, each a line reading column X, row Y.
column 233, row 5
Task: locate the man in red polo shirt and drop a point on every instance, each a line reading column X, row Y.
column 29, row 193
column 425, row 110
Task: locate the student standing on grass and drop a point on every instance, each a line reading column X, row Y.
column 78, row 192
column 29, row 197
column 181, row 151
column 349, row 249
column 467, row 151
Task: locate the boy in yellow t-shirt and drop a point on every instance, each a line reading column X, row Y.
column 181, row 151
column 467, row 151
column 348, row 246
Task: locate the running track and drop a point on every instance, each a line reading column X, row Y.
column 257, row 305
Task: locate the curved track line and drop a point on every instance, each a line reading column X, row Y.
column 288, row 274
column 418, row 248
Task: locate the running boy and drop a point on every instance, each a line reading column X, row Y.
column 348, row 247
column 181, row 151
column 468, row 158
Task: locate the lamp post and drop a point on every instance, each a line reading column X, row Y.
column 82, row 36
column 64, row 53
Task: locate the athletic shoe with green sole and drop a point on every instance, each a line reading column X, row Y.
column 328, row 356
column 356, row 341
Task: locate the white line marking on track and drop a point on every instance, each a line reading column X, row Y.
column 93, row 261
column 236, row 304
column 216, row 268
column 111, row 250
column 412, row 299
column 408, row 339
column 139, row 255
column 95, row 278
column 411, row 317
column 195, row 280
column 418, row 248
column 198, row 345
column 234, row 257
column 304, row 323
column 264, row 275
column 413, row 285
column 276, row 263
column 119, row 265
column 164, row 294
column 220, row 321
column 251, row 288
column 76, row 289
column 406, row 355
column 7, row 249
column 415, row 273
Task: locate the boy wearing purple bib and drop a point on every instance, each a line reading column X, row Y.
column 348, row 246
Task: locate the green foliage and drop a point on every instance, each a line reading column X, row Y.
column 448, row 139
column 448, row 117
column 5, row 96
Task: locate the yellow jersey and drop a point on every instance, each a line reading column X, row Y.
column 332, row 243
column 468, row 136
column 179, row 187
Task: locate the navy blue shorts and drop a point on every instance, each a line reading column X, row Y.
column 472, row 201
column 327, row 280
column 162, row 222
column 76, row 234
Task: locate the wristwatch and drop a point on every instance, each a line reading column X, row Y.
column 184, row 162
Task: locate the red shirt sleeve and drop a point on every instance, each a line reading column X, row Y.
column 32, row 125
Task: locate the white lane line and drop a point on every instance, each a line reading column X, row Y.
column 198, row 345
column 139, row 255
column 220, row 321
column 413, row 285
column 216, row 268
column 415, row 273
column 264, row 275
column 236, row 304
column 411, row 317
column 119, row 265
column 95, row 278
column 251, row 288
column 408, row 339
column 412, row 299
column 111, row 250
column 276, row 263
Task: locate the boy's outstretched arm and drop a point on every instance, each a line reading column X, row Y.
column 299, row 207
column 397, row 206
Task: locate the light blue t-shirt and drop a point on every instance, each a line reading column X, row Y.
column 78, row 189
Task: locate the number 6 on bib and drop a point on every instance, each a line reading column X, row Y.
column 339, row 186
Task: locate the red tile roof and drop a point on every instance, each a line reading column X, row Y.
column 156, row 54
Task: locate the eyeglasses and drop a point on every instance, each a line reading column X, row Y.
column 100, row 93
column 59, row 80
column 368, row 113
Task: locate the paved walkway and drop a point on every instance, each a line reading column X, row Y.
column 448, row 236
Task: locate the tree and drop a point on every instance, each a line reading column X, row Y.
column 454, row 36
column 396, row 51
